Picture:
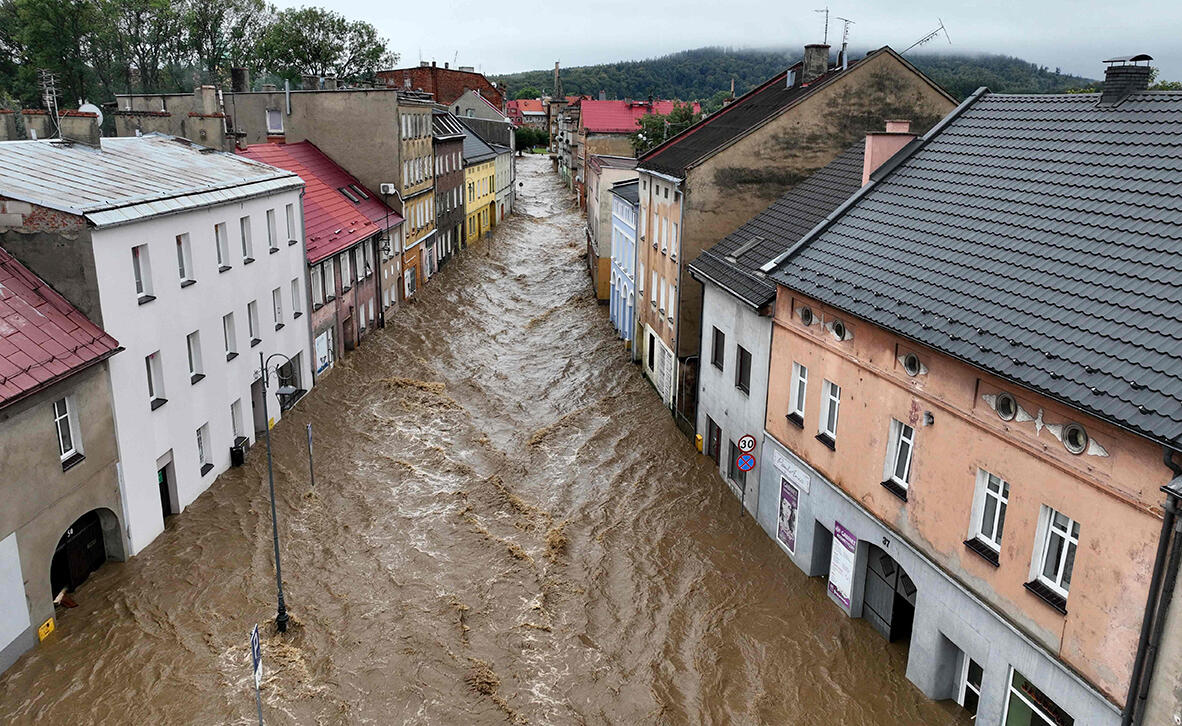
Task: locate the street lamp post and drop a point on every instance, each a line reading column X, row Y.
column 281, row 615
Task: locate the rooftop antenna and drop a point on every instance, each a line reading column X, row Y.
column 48, row 82
column 842, row 60
column 930, row 36
column 826, row 11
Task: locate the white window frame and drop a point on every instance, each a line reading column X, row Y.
column 236, row 418
column 247, row 242
column 252, row 320
column 154, row 368
column 203, row 446
column 830, row 401
column 277, row 306
column 981, row 497
column 272, row 231
column 69, row 418
column 1048, row 529
column 291, row 222
column 318, row 285
column 229, row 335
column 901, row 435
column 141, row 270
column 797, row 396
column 221, row 238
column 184, row 258
column 274, row 115
column 193, row 350
column 965, row 686
column 296, row 298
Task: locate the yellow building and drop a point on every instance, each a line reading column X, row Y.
column 480, row 190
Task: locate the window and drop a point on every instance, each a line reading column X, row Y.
column 69, row 443
column 277, row 307
column 274, row 121
column 317, row 286
column 1057, row 557
column 142, row 272
column 733, row 472
column 900, row 446
column 743, row 370
column 1075, row 438
column 252, row 322
column 184, row 260
column 247, row 246
column 229, row 336
column 653, row 290
column 989, row 511
column 155, row 380
column 222, row 242
column 193, row 347
column 652, row 352
column 796, row 396
column 291, row 223
column 830, row 402
column 367, row 258
column 346, row 272
column 718, row 353
column 969, row 693
column 236, row 418
column 330, row 281
column 296, row 298
column 272, row 231
column 203, row 452
column 1030, row 706
column 911, row 364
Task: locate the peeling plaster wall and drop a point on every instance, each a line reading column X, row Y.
column 1114, row 496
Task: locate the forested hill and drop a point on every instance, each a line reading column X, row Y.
column 706, row 72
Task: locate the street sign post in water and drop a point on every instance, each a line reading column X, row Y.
column 256, row 658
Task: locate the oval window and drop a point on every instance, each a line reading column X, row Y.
column 1006, row 406
column 806, row 316
column 911, row 364
column 839, row 330
column 1075, row 438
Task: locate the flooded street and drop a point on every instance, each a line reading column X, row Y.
column 506, row 527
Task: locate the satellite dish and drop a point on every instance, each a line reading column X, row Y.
column 91, row 108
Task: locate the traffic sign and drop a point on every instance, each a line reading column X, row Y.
column 747, row 443
column 256, row 656
column 745, row 462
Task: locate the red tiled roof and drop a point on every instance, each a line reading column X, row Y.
column 332, row 222
column 621, row 117
column 528, row 105
column 43, row 338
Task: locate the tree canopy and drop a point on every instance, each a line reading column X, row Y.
column 527, row 92
column 655, row 128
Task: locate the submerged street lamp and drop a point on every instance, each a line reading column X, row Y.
column 281, row 615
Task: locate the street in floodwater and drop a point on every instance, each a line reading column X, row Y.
column 506, row 527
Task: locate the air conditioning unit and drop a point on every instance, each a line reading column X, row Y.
column 388, row 189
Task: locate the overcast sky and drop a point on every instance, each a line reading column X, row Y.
column 1075, row 36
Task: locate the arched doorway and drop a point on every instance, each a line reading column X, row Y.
column 889, row 597
column 85, row 545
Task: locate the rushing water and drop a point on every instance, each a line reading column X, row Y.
column 506, row 526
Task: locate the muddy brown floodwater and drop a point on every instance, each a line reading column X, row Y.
column 506, row 527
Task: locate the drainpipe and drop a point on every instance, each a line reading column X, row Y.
column 1164, row 573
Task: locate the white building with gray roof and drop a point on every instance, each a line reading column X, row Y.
column 194, row 260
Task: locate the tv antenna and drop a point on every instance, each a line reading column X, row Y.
column 845, row 36
column 826, row 11
column 48, row 82
column 931, row 36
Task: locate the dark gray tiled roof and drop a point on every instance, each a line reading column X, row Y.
column 476, row 150
column 629, row 191
column 1036, row 237
column 777, row 228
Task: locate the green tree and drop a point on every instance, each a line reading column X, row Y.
column 57, row 36
column 527, row 92
column 224, row 34
column 655, row 128
column 321, row 42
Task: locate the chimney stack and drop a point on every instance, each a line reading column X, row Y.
column 80, row 127
column 240, row 79
column 37, row 123
column 1124, row 77
column 816, row 62
column 882, row 145
column 602, row 95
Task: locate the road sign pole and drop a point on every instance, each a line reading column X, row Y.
column 258, row 699
column 311, row 468
column 256, row 660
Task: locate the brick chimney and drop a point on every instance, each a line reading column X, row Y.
column 1124, row 77
column 882, row 145
column 816, row 62
column 80, row 127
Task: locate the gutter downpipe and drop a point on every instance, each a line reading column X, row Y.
column 1155, row 612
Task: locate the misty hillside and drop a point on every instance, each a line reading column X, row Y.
column 702, row 73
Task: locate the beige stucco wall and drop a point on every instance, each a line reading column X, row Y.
column 654, row 207
column 40, row 500
column 1114, row 497
column 741, row 180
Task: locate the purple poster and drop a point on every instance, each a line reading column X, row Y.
column 789, row 503
column 841, row 564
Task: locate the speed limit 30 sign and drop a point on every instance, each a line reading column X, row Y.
column 747, row 443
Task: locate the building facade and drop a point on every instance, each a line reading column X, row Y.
column 62, row 510
column 699, row 186
column 417, row 191
column 625, row 209
column 958, row 436
column 480, row 188
column 602, row 173
column 474, row 104
column 448, row 139
column 195, row 261
column 446, row 84
column 505, row 177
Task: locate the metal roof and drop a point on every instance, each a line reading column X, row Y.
column 131, row 178
column 445, row 127
column 476, row 150
column 1037, row 237
column 628, row 190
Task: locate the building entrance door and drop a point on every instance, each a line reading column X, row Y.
column 889, row 600
column 79, row 552
column 256, row 406
column 164, row 482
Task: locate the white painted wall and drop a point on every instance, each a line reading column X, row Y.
column 145, row 435
column 14, row 611
column 736, row 412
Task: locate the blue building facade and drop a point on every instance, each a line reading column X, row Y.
column 622, row 300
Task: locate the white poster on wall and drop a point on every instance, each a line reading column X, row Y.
column 841, row 564
column 323, row 350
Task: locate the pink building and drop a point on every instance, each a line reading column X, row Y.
column 973, row 401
